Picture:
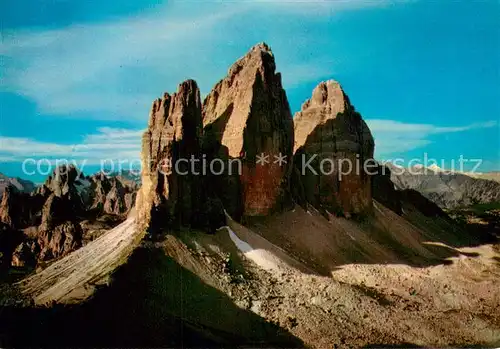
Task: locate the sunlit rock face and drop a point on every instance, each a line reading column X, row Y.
column 334, row 135
column 172, row 196
column 246, row 115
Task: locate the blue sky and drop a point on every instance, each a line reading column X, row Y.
column 78, row 77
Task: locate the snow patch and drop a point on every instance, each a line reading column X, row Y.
column 262, row 258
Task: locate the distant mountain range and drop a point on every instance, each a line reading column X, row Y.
column 275, row 254
column 65, row 212
column 20, row 184
column 492, row 176
column 448, row 189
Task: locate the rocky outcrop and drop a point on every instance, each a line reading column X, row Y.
column 332, row 142
column 50, row 217
column 58, row 233
column 171, row 194
column 21, row 185
column 18, row 209
column 64, row 182
column 59, row 240
column 25, row 254
column 247, row 115
column 7, row 207
column 111, row 195
column 9, row 239
column 245, row 127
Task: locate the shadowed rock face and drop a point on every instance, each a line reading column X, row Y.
column 174, row 132
column 9, row 239
column 111, row 195
column 48, row 219
column 7, row 207
column 329, row 129
column 384, row 191
column 19, row 209
column 246, row 114
column 20, row 184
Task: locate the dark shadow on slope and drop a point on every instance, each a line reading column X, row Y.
column 373, row 293
column 152, row 302
column 402, row 227
column 392, row 346
column 452, row 227
column 385, row 237
column 225, row 187
column 436, row 224
column 410, row 345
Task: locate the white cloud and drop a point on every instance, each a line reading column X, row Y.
column 393, row 136
column 114, row 70
column 107, row 143
column 86, row 68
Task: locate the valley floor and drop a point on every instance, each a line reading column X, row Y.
column 238, row 287
column 451, row 304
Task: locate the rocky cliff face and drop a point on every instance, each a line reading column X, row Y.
column 244, row 116
column 59, row 232
column 248, row 115
column 335, row 141
column 384, row 190
column 109, row 195
column 171, row 193
column 46, row 218
column 49, row 220
column 18, row 209
column 245, row 124
column 19, row 184
column 9, row 239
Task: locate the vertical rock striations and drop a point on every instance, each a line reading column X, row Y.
column 246, row 115
column 170, row 193
column 329, row 131
column 49, row 220
column 114, row 195
column 240, row 134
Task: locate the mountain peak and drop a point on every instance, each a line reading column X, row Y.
column 260, row 58
column 328, row 94
column 435, row 168
column 263, row 47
